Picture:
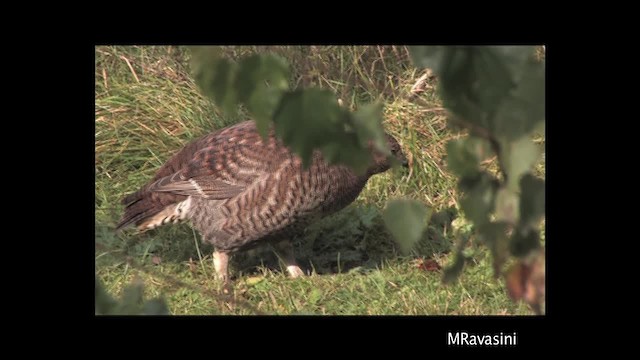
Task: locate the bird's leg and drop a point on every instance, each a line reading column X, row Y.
column 221, row 262
column 285, row 250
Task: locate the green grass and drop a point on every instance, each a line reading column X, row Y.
column 147, row 107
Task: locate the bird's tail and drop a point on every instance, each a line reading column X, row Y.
column 148, row 210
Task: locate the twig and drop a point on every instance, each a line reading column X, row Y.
column 421, row 83
column 419, row 86
column 435, row 109
column 104, row 76
column 130, row 68
column 381, row 52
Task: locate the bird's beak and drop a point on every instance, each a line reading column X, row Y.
column 402, row 160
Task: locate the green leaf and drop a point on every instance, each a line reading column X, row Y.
column 222, row 85
column 479, row 197
column 453, row 271
column 260, row 83
column 155, row 307
column 215, row 77
column 131, row 299
column 523, row 241
column 464, row 155
column 202, row 56
column 263, row 104
column 249, row 77
column 524, row 109
column 406, row 220
column 368, row 215
column 427, row 57
column 105, row 304
column 307, row 119
column 507, row 206
column 532, row 200
column 494, row 235
column 368, row 126
column 475, row 80
column 498, row 88
column 344, row 149
column 518, row 157
column 312, row 119
column 479, row 147
column 276, row 71
column 460, row 160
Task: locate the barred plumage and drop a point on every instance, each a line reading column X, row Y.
column 238, row 190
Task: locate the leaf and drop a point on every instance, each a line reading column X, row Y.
column 215, row 76
column 474, row 81
column 460, row 160
column 260, row 83
column 155, row 307
column 532, row 200
column 105, row 304
column 479, row 147
column 524, row 241
column 312, row 119
column 368, row 125
column 406, row 220
column 344, row 149
column 427, row 57
column 131, row 299
column 307, row 119
column 479, row 197
column 525, row 280
column 367, row 216
column 263, row 104
column 507, row 206
column 524, row 109
column 429, row 265
column 498, row 88
column 249, row 77
column 276, row 71
column 261, row 70
column 518, row 157
column 494, row 235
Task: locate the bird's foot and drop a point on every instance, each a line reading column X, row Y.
column 295, row 271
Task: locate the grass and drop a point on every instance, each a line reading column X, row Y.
column 147, row 106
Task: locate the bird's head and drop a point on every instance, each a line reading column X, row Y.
column 382, row 162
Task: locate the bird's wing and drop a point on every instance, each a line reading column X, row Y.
column 220, row 165
column 205, row 186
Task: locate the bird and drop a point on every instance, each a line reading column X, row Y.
column 239, row 190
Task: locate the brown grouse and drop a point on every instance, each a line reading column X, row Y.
column 238, row 191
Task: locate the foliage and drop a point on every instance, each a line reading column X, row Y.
column 132, row 302
column 496, row 93
column 305, row 119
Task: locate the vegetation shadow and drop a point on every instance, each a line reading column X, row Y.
column 354, row 240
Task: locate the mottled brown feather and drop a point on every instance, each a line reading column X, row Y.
column 242, row 188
